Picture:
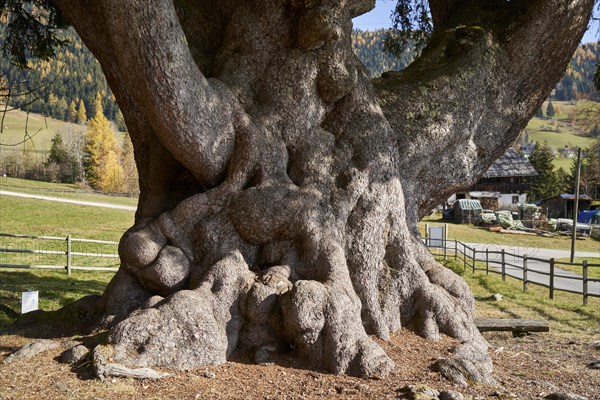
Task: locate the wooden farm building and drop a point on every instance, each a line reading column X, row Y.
column 562, row 205
column 505, row 184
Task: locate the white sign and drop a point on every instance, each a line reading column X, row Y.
column 29, row 301
column 436, row 236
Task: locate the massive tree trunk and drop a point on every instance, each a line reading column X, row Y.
column 281, row 187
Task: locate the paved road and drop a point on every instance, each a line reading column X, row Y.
column 563, row 280
column 78, row 202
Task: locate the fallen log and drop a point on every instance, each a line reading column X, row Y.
column 518, row 327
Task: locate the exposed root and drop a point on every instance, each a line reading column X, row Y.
column 190, row 328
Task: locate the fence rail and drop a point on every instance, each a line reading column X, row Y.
column 32, row 252
column 521, row 267
column 518, row 266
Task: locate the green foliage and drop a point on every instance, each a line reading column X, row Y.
column 58, row 152
column 30, row 30
column 546, row 183
column 61, row 165
column 589, row 178
column 411, row 23
column 539, row 113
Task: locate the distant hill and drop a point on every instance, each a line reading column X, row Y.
column 74, row 75
column 576, row 83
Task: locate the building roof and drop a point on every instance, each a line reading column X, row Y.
column 510, row 164
column 478, row 194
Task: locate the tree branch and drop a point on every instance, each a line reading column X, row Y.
column 465, row 100
column 441, row 10
column 147, row 49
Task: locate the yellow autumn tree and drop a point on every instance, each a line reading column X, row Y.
column 111, row 176
column 129, row 168
column 101, row 155
column 72, row 113
column 81, row 113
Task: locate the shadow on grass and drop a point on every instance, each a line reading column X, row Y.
column 55, row 289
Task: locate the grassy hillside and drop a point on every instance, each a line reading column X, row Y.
column 558, row 132
column 41, row 129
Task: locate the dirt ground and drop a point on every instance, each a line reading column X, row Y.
column 525, row 368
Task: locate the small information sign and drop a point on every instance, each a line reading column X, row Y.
column 29, row 301
column 436, row 236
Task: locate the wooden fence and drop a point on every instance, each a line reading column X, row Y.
column 63, row 255
column 50, row 252
column 518, row 266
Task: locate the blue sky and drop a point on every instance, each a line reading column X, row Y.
column 380, row 18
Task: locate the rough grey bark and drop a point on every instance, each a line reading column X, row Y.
column 280, row 187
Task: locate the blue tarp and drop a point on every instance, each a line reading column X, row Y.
column 589, row 217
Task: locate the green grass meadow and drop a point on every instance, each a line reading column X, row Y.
column 565, row 313
column 40, row 217
column 473, row 234
column 62, row 190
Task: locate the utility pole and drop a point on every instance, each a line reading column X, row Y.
column 576, row 205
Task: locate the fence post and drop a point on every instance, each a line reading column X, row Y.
column 585, row 282
column 551, row 278
column 456, row 249
column 503, row 267
column 464, row 254
column 68, row 254
column 427, row 235
column 525, row 283
column 473, row 259
column 487, row 261
column 445, row 241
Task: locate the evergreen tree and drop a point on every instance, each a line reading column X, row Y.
column 545, row 184
column 589, row 176
column 539, row 113
column 550, row 110
column 58, row 152
column 61, row 165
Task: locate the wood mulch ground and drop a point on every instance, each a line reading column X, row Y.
column 525, row 368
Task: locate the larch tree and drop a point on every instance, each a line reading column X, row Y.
column 72, row 113
column 280, row 187
column 101, row 153
column 81, row 113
